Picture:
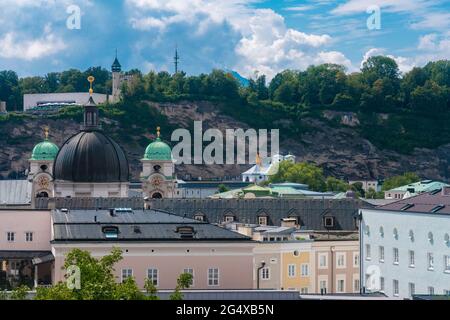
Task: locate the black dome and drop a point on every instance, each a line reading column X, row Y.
column 90, row 156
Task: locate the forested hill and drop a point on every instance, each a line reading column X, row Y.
column 373, row 123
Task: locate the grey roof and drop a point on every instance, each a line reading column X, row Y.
column 89, row 203
column 153, row 225
column 309, row 212
column 437, row 202
column 15, row 192
column 21, row 254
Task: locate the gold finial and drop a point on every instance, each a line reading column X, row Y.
column 91, row 80
column 258, row 159
column 158, row 132
column 46, row 132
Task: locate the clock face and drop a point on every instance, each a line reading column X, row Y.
column 156, row 181
column 43, row 182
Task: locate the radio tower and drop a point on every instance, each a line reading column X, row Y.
column 176, row 59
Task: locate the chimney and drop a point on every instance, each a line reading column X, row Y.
column 289, row 222
column 446, row 191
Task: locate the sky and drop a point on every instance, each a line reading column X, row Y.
column 248, row 36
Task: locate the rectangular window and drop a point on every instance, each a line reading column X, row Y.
column 29, row 236
column 395, row 287
column 341, row 285
column 323, row 286
column 11, row 236
column 340, row 260
column 382, row 284
column 412, row 259
column 381, row 253
column 291, row 270
column 304, row 290
column 152, row 275
column 447, row 264
column 368, row 253
column 430, row 259
column 356, row 285
column 213, row 277
column 262, row 221
column 355, row 259
column 191, row 272
column 412, row 289
column 126, row 273
column 305, row 270
column 265, row 273
column 395, row 254
column 430, row 291
column 323, row 260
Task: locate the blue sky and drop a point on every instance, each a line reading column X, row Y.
column 243, row 35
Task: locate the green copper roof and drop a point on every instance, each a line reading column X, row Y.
column 158, row 150
column 45, row 150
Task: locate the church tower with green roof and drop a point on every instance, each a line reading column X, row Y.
column 158, row 170
column 41, row 167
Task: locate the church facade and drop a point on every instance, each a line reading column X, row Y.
column 92, row 165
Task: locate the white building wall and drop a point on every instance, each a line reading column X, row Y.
column 32, row 100
column 96, row 190
column 421, row 224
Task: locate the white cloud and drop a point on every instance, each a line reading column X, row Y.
column 433, row 20
column 15, row 46
column 431, row 47
column 266, row 44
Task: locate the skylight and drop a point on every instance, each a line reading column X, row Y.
column 438, row 208
column 407, row 206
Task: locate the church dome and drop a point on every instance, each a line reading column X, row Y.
column 158, row 150
column 91, row 156
column 45, row 150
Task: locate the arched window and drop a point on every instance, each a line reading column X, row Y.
column 395, row 234
column 42, row 194
column 430, row 237
column 157, row 195
column 411, row 235
column 367, row 230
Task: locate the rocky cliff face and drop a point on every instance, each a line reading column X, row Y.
column 339, row 151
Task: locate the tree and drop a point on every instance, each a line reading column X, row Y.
column 223, row 188
column 184, row 282
column 372, row 194
column 358, row 188
column 301, row 172
column 19, row 293
column 398, row 181
column 334, row 184
column 380, row 67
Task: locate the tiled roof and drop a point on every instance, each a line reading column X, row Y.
column 433, row 202
column 308, row 211
column 138, row 225
column 421, row 186
column 15, row 192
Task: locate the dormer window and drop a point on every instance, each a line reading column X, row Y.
column 199, row 217
column 328, row 222
column 186, row 232
column 262, row 220
column 111, row 232
column 229, row 218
